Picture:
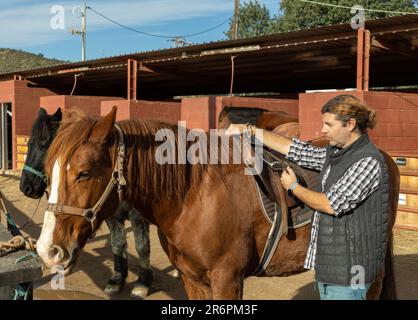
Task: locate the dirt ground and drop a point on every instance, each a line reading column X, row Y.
column 94, row 267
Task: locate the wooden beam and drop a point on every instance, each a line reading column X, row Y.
column 178, row 73
column 381, row 43
column 144, row 68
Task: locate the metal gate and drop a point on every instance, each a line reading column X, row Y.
column 6, row 153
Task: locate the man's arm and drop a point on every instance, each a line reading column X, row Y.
column 315, row 200
column 276, row 142
column 301, row 153
column 272, row 140
column 358, row 182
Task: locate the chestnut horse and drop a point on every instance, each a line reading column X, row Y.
column 33, row 184
column 210, row 223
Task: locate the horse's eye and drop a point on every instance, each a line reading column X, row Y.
column 83, row 175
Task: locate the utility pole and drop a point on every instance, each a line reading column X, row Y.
column 235, row 22
column 83, row 31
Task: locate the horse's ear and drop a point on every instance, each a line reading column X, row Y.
column 57, row 116
column 289, row 130
column 103, row 128
column 42, row 112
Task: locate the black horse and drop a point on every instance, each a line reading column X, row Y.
column 33, row 184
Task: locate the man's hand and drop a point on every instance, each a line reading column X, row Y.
column 288, row 177
column 235, row 128
column 315, row 200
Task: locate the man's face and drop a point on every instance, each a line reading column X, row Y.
column 334, row 129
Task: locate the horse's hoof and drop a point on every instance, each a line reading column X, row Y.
column 139, row 291
column 115, row 284
column 174, row 273
column 112, row 289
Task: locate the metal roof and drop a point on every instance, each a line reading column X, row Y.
column 316, row 58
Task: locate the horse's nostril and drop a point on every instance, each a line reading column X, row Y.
column 56, row 253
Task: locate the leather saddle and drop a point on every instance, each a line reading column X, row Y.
column 273, row 166
column 289, row 212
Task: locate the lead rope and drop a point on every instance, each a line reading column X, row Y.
column 23, row 291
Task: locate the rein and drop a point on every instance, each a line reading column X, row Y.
column 117, row 179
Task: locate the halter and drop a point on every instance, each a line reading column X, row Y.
column 35, row 172
column 117, row 179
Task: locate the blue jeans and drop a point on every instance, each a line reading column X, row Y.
column 334, row 292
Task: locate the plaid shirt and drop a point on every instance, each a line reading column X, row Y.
column 359, row 181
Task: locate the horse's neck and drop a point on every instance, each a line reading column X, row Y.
column 162, row 212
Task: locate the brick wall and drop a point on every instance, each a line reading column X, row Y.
column 397, row 117
column 199, row 113
column 7, row 91
column 25, row 105
column 397, row 120
column 89, row 104
column 141, row 109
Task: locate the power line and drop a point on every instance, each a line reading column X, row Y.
column 365, row 9
column 156, row 35
column 207, row 30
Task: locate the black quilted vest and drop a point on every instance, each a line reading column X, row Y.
column 358, row 237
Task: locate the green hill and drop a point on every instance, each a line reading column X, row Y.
column 14, row 60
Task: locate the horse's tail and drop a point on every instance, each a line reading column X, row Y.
column 389, row 286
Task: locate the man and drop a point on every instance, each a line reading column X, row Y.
column 350, row 224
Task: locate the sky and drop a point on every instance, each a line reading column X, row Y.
column 42, row 26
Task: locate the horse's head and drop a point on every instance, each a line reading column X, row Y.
column 79, row 165
column 44, row 129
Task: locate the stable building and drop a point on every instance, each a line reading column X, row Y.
column 296, row 72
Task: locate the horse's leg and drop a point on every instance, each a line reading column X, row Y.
column 226, row 284
column 118, row 243
column 196, row 290
column 170, row 253
column 374, row 291
column 384, row 287
column 140, row 228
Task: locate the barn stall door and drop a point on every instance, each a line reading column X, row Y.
column 6, row 152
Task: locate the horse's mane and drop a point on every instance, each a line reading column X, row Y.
column 139, row 136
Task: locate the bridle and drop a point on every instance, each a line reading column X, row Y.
column 117, row 179
column 36, row 173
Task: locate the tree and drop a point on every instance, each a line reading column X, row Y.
column 296, row 14
column 253, row 20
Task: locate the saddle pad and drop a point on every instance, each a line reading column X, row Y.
column 297, row 216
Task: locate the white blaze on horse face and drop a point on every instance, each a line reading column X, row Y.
column 45, row 240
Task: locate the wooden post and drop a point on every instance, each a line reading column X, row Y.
column 360, row 59
column 132, row 79
column 363, row 59
column 366, row 64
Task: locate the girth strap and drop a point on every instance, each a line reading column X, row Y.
column 272, row 164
